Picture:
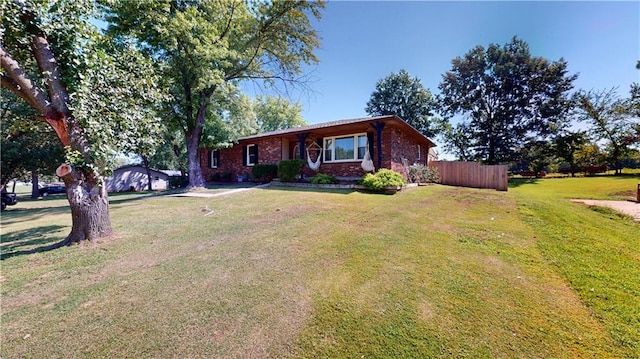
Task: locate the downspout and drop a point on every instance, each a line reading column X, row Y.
column 378, row 126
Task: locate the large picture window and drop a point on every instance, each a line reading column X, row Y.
column 345, row 148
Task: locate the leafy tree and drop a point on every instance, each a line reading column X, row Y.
column 508, row 96
column 565, row 147
column 95, row 96
column 28, row 147
column 589, row 156
column 231, row 116
column 458, row 140
column 538, row 155
column 399, row 94
column 203, row 46
column 170, row 153
column 277, row 113
column 611, row 119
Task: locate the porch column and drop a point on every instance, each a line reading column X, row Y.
column 301, row 138
column 378, row 126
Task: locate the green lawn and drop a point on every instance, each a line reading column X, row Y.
column 432, row 271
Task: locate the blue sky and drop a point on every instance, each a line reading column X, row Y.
column 364, row 41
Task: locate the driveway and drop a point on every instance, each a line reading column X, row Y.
column 627, row 207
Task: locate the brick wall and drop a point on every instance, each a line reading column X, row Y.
column 396, row 145
column 402, row 146
column 230, row 164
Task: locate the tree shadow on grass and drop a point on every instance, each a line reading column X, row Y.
column 16, row 215
column 29, row 241
column 517, row 182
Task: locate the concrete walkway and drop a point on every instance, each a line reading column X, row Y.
column 627, row 207
column 216, row 194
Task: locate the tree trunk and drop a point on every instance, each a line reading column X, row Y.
column 193, row 159
column 193, row 147
column 145, row 162
column 35, row 191
column 89, row 206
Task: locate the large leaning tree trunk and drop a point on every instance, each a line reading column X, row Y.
column 89, row 205
column 85, row 187
column 193, row 138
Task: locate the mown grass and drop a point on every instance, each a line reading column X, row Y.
column 596, row 249
column 429, row 272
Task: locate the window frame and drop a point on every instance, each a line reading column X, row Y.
column 419, row 157
column 215, row 155
column 299, row 154
column 354, row 136
column 249, row 163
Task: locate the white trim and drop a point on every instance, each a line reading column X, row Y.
column 419, row 153
column 249, row 163
column 214, row 163
column 333, row 139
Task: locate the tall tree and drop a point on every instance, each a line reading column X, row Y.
column 612, row 119
column 508, row 96
column 204, row 45
column 277, row 113
column 400, row 94
column 93, row 95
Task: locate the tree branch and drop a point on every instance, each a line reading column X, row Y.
column 17, row 81
column 46, row 60
column 51, row 71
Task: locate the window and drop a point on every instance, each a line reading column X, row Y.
column 345, row 148
column 419, row 156
column 215, row 158
column 296, row 152
column 252, row 155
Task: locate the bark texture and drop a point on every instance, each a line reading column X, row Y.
column 89, row 206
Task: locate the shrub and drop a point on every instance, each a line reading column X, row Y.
column 178, row 181
column 382, row 179
column 289, row 169
column 322, row 178
column 423, row 174
column 264, row 172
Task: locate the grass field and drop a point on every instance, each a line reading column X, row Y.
column 431, row 272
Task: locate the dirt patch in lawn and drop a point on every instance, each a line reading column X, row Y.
column 627, row 207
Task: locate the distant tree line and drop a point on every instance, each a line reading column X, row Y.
column 502, row 105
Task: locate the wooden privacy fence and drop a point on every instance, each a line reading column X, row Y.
column 471, row 174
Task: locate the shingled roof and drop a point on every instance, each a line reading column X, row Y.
column 302, row 129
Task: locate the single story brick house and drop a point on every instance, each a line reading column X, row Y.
column 335, row 148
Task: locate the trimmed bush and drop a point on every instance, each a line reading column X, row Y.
column 264, row 172
column 322, row 178
column 382, row 179
column 424, row 174
column 289, row 169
